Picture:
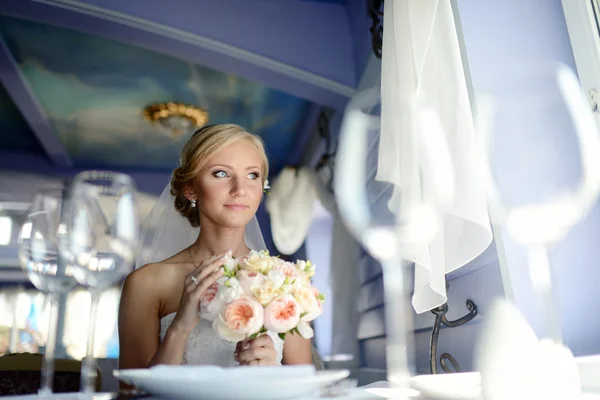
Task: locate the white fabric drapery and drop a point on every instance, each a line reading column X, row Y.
column 422, row 67
column 291, row 205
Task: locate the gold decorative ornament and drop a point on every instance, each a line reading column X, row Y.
column 175, row 119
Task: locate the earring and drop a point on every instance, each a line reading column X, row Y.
column 193, row 203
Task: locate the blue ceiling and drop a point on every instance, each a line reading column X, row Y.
column 75, row 77
column 15, row 134
column 343, row 2
column 93, row 91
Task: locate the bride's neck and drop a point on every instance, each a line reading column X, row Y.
column 214, row 240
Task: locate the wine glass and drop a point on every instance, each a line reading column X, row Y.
column 100, row 242
column 40, row 260
column 388, row 234
column 533, row 196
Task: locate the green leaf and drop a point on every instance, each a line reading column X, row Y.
column 302, row 315
column 282, row 336
column 253, row 336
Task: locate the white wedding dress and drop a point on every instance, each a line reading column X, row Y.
column 205, row 347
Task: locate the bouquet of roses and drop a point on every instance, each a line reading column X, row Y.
column 260, row 293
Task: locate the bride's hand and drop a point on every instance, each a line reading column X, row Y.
column 259, row 351
column 195, row 285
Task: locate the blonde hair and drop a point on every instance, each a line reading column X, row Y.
column 203, row 144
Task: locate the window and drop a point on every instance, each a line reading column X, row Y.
column 583, row 23
column 26, row 309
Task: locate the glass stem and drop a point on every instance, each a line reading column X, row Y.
column 540, row 273
column 398, row 321
column 48, row 361
column 88, row 364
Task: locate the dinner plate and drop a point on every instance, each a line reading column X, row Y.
column 249, row 383
column 457, row 386
column 467, row 385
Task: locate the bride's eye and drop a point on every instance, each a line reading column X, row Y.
column 254, row 175
column 220, row 174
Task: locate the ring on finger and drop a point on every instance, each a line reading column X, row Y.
column 195, row 280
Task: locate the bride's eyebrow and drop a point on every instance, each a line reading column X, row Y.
column 230, row 167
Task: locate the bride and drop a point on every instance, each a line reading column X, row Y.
column 218, row 186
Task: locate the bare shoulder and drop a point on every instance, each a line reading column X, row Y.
column 154, row 276
column 159, row 284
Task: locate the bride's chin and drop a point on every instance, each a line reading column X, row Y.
column 235, row 222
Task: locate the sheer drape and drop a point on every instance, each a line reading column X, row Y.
column 422, row 67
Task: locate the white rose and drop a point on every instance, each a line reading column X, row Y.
column 265, row 292
column 231, row 290
column 305, row 329
column 258, row 262
column 314, row 313
column 307, row 301
column 310, row 270
column 276, row 277
column 230, row 265
column 301, row 265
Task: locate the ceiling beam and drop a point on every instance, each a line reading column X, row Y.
column 25, row 100
column 301, row 48
column 151, row 182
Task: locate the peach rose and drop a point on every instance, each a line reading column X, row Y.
column 248, row 279
column 239, row 319
column 282, row 314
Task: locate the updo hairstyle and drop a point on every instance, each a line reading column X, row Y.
column 203, row 144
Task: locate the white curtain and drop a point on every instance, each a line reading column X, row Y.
column 291, row 205
column 422, row 67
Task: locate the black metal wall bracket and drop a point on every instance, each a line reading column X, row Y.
column 440, row 319
column 375, row 9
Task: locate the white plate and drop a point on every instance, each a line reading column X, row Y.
column 467, row 385
column 457, row 386
column 589, row 373
column 231, row 385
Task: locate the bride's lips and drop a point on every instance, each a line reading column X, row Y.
column 236, row 207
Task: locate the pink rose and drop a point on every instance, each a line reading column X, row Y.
column 289, row 270
column 239, row 319
column 282, row 314
column 248, row 279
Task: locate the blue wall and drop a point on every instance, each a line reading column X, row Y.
column 505, row 35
